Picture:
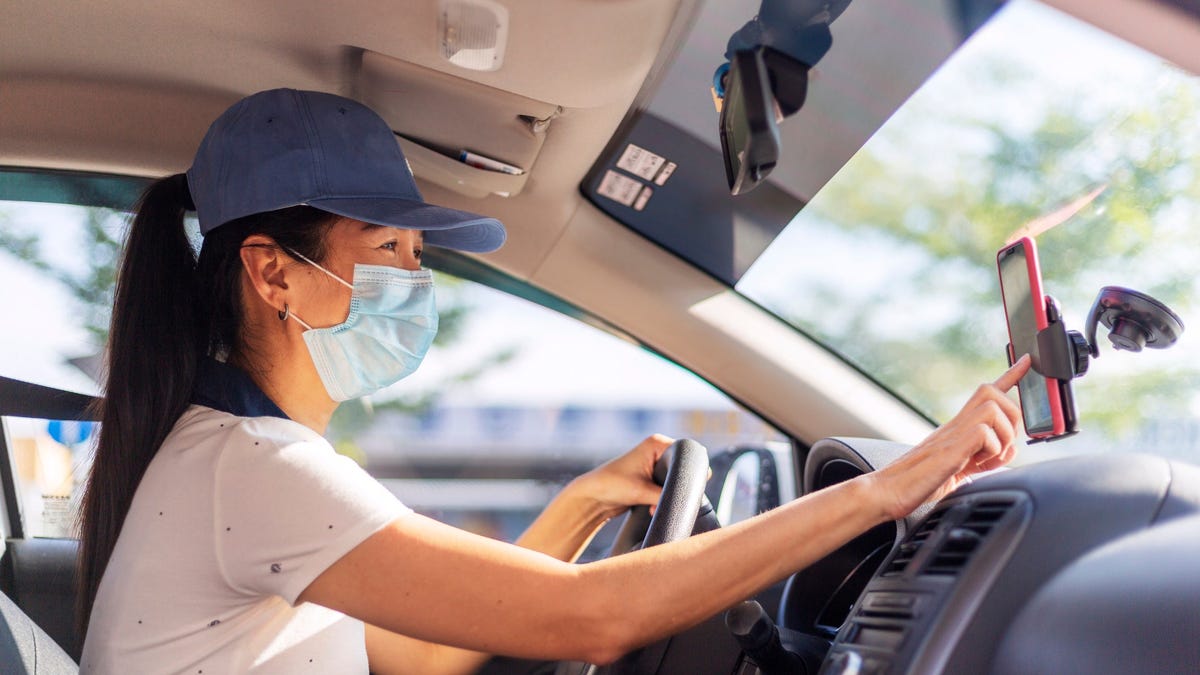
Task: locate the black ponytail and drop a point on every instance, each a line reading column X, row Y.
column 151, row 361
column 170, row 310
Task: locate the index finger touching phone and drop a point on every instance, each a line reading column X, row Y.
column 1014, row 374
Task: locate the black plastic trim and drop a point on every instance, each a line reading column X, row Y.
column 8, row 483
column 26, row 399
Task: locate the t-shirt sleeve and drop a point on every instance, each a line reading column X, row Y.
column 287, row 506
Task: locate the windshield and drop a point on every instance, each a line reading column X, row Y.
column 893, row 263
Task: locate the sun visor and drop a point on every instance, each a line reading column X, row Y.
column 466, row 137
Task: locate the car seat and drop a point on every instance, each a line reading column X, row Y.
column 25, row 649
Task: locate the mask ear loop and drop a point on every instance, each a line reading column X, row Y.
column 310, row 262
column 287, row 311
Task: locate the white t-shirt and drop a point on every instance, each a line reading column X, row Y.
column 233, row 519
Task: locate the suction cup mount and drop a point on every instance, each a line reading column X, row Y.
column 1135, row 320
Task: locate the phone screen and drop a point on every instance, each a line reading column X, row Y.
column 1018, row 290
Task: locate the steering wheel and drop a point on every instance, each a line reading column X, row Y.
column 682, row 510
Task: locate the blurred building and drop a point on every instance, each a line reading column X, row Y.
column 491, row 469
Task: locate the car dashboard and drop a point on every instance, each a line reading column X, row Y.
column 1041, row 568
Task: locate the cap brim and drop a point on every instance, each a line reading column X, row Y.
column 443, row 227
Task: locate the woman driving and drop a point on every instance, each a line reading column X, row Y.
column 221, row 532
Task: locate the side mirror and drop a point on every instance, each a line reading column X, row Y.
column 748, row 480
column 740, row 491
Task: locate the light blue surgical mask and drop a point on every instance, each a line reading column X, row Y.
column 392, row 322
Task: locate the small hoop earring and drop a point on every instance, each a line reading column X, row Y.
column 285, row 312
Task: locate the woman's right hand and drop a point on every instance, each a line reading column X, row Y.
column 981, row 437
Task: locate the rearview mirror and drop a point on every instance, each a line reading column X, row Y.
column 749, row 130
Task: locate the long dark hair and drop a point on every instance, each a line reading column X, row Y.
column 171, row 309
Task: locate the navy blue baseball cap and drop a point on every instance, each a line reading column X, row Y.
column 284, row 147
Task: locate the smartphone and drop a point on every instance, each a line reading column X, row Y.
column 1025, row 309
column 749, row 132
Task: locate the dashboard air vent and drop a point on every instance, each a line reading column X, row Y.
column 963, row 539
column 911, row 544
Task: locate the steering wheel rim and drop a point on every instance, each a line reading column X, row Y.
column 682, row 508
column 682, row 471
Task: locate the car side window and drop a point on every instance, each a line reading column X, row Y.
column 513, row 400
column 49, row 468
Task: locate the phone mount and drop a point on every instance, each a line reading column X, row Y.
column 1135, row 321
column 764, row 80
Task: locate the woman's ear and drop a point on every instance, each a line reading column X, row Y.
column 264, row 263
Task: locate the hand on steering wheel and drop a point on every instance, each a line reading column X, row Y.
column 682, row 471
column 682, row 510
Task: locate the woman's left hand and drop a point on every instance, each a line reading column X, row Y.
column 625, row 481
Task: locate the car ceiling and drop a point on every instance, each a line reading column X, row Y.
column 129, row 88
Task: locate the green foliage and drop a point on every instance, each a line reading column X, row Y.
column 91, row 282
column 920, row 189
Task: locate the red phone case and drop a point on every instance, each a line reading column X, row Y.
column 1058, row 421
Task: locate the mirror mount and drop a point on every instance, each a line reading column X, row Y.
column 765, row 79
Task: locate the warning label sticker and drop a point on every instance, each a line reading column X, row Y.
column 619, row 188
column 56, row 516
column 665, row 173
column 642, row 198
column 640, row 162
